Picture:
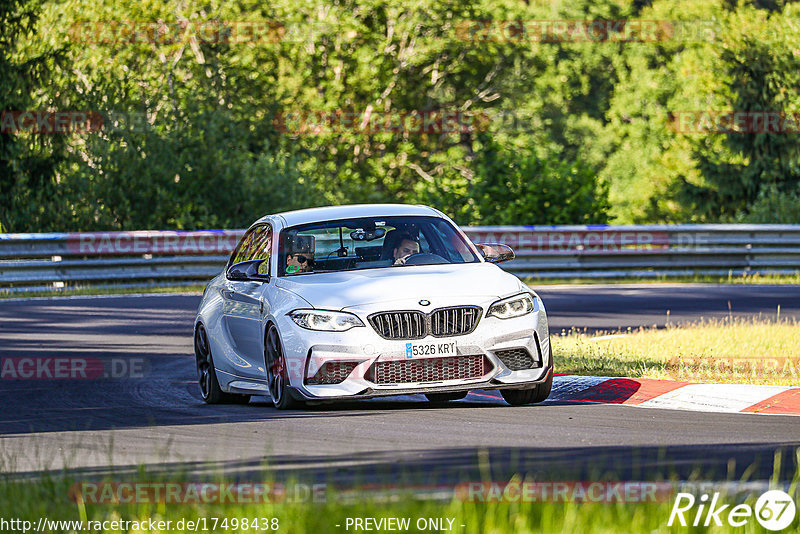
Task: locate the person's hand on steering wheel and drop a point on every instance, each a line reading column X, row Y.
column 402, row 260
column 406, row 247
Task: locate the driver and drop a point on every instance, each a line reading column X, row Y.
column 407, row 245
column 301, row 257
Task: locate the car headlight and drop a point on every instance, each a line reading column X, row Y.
column 331, row 321
column 515, row 306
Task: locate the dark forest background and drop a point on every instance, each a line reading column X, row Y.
column 215, row 130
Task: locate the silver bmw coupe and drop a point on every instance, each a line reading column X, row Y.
column 349, row 302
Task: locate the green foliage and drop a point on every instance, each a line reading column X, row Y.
column 191, row 148
column 27, row 163
column 763, row 67
column 747, row 60
column 514, row 185
column 773, row 205
column 195, row 134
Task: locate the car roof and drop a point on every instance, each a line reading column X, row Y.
column 332, row 213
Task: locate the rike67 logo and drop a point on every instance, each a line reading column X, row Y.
column 774, row 510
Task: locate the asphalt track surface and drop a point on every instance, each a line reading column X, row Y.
column 98, row 427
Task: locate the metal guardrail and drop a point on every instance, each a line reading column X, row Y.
column 150, row 258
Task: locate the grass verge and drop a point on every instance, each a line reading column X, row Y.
column 105, row 290
column 754, row 279
column 112, row 289
column 60, row 499
column 731, row 350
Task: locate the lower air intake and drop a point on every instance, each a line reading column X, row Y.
column 516, row 359
column 429, row 370
column 332, row 373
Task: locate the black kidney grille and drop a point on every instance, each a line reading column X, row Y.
column 399, row 324
column 454, row 321
column 429, row 370
column 516, row 359
column 444, row 322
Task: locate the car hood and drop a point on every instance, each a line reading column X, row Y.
column 368, row 286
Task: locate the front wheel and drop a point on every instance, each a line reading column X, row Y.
column 277, row 371
column 207, row 375
column 538, row 393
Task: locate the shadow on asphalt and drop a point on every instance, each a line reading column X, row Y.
column 159, row 330
column 716, row 462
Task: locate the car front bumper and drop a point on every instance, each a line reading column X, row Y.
column 301, row 395
column 307, row 351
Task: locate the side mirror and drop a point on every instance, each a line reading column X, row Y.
column 495, row 252
column 247, row 271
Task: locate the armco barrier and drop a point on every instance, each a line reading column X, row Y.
column 148, row 258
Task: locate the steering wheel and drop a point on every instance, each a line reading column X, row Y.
column 425, row 258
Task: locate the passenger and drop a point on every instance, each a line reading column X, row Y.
column 301, row 257
column 407, row 246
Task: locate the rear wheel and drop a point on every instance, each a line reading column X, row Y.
column 207, row 375
column 438, row 398
column 277, row 371
column 538, row 393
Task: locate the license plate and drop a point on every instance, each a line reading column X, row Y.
column 417, row 350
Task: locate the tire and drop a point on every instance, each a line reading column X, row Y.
column 207, row 375
column 277, row 373
column 538, row 393
column 438, row 398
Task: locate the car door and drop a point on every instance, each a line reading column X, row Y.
column 244, row 304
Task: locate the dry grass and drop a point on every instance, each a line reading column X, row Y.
column 5, row 293
column 733, row 350
column 52, row 497
column 743, row 279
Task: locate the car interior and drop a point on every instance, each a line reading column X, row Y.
column 363, row 245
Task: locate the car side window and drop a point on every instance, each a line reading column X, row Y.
column 255, row 245
column 240, row 252
column 261, row 248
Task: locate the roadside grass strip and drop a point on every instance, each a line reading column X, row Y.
column 733, row 350
column 59, row 502
column 655, row 278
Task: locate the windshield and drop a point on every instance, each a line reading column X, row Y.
column 370, row 243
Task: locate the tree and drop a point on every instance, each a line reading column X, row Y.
column 764, row 71
column 27, row 161
column 188, row 139
column 513, row 185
